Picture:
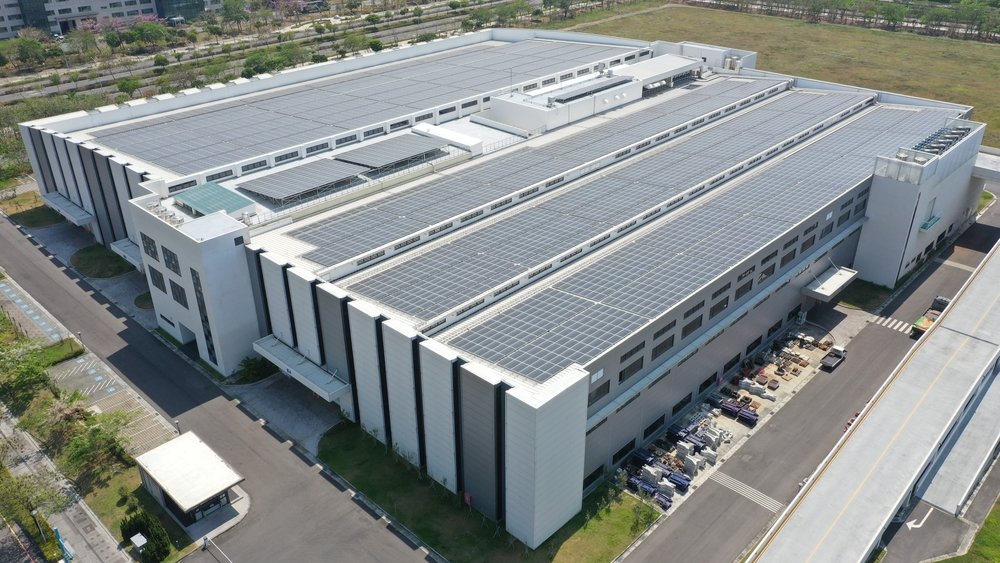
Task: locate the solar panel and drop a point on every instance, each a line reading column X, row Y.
column 392, row 151
column 616, row 294
column 306, row 178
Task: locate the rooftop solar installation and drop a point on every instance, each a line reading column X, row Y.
column 211, row 197
column 476, row 261
column 315, row 176
column 344, row 236
column 645, row 277
column 392, row 151
column 217, row 134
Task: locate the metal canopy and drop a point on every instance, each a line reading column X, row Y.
column 305, row 179
column 211, row 197
column 392, row 151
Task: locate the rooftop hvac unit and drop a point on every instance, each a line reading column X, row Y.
column 902, row 156
column 920, row 159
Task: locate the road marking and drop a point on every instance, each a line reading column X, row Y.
column 954, row 264
column 747, row 491
column 893, row 324
column 913, row 523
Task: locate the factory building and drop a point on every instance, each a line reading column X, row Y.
column 514, row 256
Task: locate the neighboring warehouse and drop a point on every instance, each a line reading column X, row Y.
column 513, row 255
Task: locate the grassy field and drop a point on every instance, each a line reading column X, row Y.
column 27, row 209
column 864, row 295
column 986, row 547
column 60, row 352
column 984, row 199
column 462, row 535
column 110, row 507
column 963, row 72
column 96, row 261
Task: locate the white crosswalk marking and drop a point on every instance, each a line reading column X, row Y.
column 893, row 324
column 747, row 491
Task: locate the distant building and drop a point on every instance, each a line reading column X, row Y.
column 62, row 16
column 514, row 255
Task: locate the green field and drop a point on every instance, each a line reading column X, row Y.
column 963, row 72
column 986, row 547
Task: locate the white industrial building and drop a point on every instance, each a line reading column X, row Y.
column 513, row 255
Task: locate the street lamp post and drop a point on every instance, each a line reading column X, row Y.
column 34, row 514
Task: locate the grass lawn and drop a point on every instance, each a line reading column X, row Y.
column 144, row 300
column 986, row 547
column 60, row 352
column 110, row 507
column 460, row 535
column 96, row 261
column 8, row 330
column 956, row 71
column 864, row 295
column 27, row 209
column 984, row 199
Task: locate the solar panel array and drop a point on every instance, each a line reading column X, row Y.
column 345, row 236
column 312, row 176
column 392, row 150
column 434, row 282
column 210, row 136
column 658, row 270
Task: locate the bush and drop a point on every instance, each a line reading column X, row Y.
column 376, row 45
column 157, row 541
column 160, row 60
column 318, row 58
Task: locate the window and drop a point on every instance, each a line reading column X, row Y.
column 374, row 131
column 238, row 241
column 691, row 327
column 115, row 5
column 344, row 140
column 178, row 294
column 157, row 278
column 843, row 218
column 593, row 476
column 630, row 370
column 794, row 313
column 217, row 175
column 811, row 228
column 769, row 257
column 470, row 104
column 632, row 352
column 654, row 426
column 718, row 308
column 694, row 309
column 680, row 405
column 286, row 156
column 446, row 110
column 171, row 261
column 743, row 289
column 149, row 246
column 598, row 393
column 731, row 363
column 662, row 347
column 150, row 11
column 66, row 10
column 721, row 290
column 790, row 243
column 848, row 203
column 667, row 328
column 708, row 383
column 319, row 147
column 753, row 345
column 766, row 273
column 424, row 117
column 132, row 13
column 774, row 329
column 254, row 165
column 786, row 259
column 82, row 9
column 624, row 451
column 744, row 275
column 122, row 15
column 398, row 125
column 826, row 231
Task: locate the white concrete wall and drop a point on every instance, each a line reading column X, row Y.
column 544, row 457
column 366, row 367
column 277, row 305
column 307, row 337
column 397, row 340
column 439, row 423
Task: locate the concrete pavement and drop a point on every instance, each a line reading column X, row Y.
column 297, row 515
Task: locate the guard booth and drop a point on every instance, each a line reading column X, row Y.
column 187, row 477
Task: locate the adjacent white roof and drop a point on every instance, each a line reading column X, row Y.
column 188, row 470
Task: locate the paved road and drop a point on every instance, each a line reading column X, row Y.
column 717, row 523
column 296, row 514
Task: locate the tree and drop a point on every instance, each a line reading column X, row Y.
column 4, row 61
column 376, row 45
column 355, row 41
column 28, row 52
column 352, row 5
column 373, row 20
column 234, row 11
column 99, row 447
column 31, row 491
column 82, row 42
column 161, row 60
column 22, row 374
column 128, row 85
column 150, row 34
column 418, row 12
column 157, row 541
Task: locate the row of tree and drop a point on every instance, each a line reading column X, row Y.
column 966, row 19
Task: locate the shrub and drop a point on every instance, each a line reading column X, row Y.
column 160, row 60
column 157, row 541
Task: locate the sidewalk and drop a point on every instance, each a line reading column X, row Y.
column 80, row 528
column 105, row 392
